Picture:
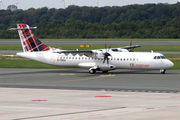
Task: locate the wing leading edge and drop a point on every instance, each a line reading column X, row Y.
column 91, row 52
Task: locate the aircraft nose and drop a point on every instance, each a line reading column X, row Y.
column 170, row 64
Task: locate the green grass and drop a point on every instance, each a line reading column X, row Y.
column 93, row 46
column 109, row 39
column 10, row 47
column 6, row 63
column 171, row 56
column 159, row 48
column 176, row 65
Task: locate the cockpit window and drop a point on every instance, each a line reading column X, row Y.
column 159, row 57
column 162, row 57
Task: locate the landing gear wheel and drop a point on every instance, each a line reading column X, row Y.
column 163, row 71
column 92, row 71
column 104, row 71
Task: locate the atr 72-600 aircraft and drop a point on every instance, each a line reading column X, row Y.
column 94, row 60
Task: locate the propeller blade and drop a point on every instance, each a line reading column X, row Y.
column 105, row 47
column 108, row 61
column 109, row 48
column 131, row 50
column 104, row 59
column 106, row 54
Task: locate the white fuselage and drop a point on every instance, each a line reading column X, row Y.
column 117, row 60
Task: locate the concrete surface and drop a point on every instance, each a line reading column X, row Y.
column 74, row 94
column 25, row 104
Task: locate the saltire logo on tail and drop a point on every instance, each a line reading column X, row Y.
column 28, row 41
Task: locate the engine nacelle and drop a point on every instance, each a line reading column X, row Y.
column 120, row 50
column 97, row 54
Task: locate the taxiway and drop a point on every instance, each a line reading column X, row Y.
column 131, row 80
column 74, row 94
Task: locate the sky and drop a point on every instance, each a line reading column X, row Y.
column 26, row 4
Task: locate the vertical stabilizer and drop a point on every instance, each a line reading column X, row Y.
column 29, row 42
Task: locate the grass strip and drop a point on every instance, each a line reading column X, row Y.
column 176, row 65
column 108, row 39
column 99, row 46
column 5, row 63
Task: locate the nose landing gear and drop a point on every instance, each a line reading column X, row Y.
column 163, row 71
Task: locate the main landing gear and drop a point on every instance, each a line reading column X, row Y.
column 104, row 71
column 92, row 71
column 163, row 71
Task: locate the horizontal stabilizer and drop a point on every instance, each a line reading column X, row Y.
column 22, row 28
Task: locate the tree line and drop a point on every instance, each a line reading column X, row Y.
column 132, row 21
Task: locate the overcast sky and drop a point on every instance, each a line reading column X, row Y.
column 25, row 4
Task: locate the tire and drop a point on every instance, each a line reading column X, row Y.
column 104, row 71
column 92, row 71
column 163, row 71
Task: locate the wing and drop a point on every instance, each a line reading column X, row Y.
column 131, row 47
column 81, row 52
column 98, row 53
column 88, row 53
column 125, row 49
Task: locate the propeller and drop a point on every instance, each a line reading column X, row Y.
column 106, row 54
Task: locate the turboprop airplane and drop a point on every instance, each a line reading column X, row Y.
column 94, row 60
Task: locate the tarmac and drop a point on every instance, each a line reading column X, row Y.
column 117, row 80
column 59, row 104
column 74, row 94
